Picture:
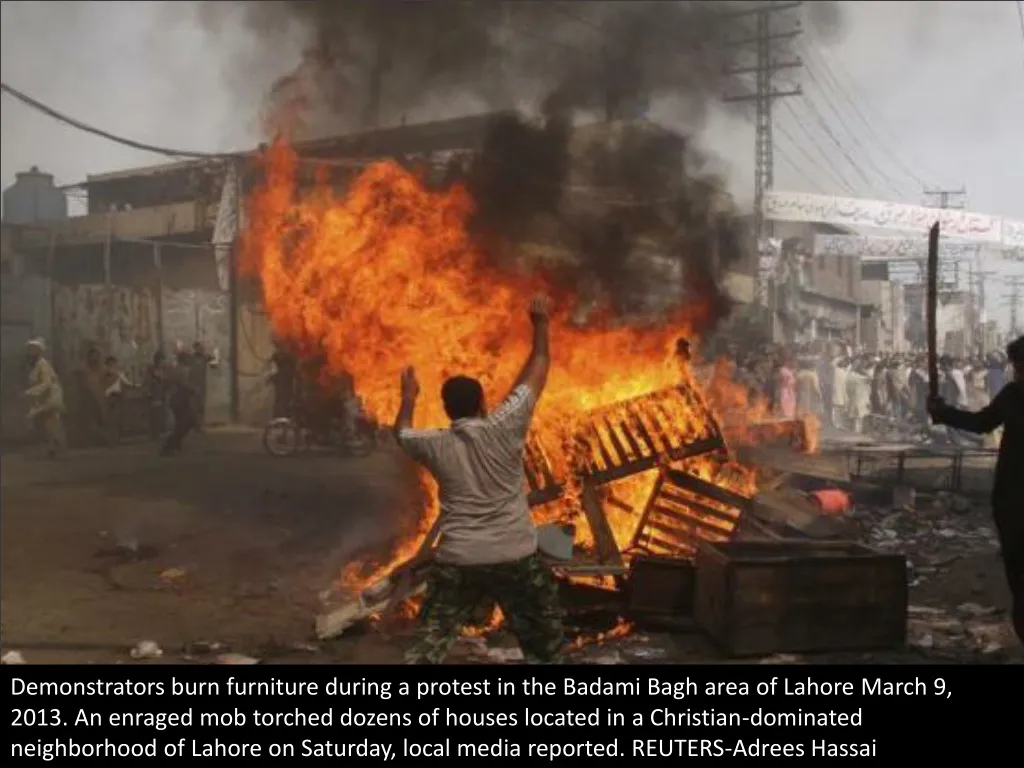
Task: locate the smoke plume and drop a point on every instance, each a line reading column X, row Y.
column 606, row 199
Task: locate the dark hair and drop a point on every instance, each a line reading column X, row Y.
column 1015, row 351
column 463, row 397
column 110, row 359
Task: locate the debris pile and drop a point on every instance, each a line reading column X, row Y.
column 934, row 535
column 965, row 630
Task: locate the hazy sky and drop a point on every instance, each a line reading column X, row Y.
column 907, row 92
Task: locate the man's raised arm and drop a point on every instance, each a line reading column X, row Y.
column 535, row 371
column 410, row 391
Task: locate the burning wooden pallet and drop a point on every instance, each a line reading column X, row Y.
column 617, row 442
column 629, row 438
column 613, row 443
column 684, row 510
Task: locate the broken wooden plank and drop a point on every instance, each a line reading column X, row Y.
column 604, row 539
column 703, row 488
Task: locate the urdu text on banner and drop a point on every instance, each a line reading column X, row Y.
column 879, row 214
column 881, row 248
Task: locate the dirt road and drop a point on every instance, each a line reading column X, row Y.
column 225, row 544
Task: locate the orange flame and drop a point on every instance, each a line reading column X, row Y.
column 495, row 620
column 387, row 275
column 622, row 628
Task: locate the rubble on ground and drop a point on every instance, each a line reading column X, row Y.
column 934, row 534
column 146, row 649
column 968, row 628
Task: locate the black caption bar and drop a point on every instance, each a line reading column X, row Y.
column 538, row 714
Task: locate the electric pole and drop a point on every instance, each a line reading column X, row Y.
column 980, row 311
column 955, row 199
column 1015, row 286
column 763, row 97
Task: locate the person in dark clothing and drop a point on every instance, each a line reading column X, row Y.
column 156, row 394
column 198, row 366
column 284, row 380
column 1006, row 410
column 182, row 401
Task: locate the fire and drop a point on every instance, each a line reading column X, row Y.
column 495, row 620
column 387, row 275
column 622, row 628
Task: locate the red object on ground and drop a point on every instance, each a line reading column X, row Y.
column 831, row 501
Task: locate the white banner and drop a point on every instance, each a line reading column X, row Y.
column 878, row 214
column 880, row 248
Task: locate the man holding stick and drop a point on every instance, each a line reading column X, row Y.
column 1005, row 410
column 488, row 546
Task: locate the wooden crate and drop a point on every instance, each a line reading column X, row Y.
column 660, row 587
column 790, row 596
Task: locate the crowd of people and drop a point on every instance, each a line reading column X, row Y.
column 101, row 390
column 863, row 392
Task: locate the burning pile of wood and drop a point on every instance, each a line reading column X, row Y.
column 669, row 431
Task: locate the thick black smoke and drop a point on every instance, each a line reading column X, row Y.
column 374, row 62
column 638, row 226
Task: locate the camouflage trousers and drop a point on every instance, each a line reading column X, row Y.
column 525, row 591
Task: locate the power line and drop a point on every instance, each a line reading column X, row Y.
column 167, row 152
column 818, row 54
column 61, row 117
column 826, row 128
column 607, row 195
column 836, row 176
column 799, row 170
column 1020, row 17
column 829, row 170
column 842, row 119
column 764, row 97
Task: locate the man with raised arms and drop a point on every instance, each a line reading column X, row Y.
column 488, row 546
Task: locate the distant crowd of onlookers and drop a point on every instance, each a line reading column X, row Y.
column 862, row 392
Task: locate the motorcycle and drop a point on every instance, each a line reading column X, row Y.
column 354, row 437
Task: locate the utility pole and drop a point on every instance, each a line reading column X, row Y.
column 1015, row 285
column 955, row 199
column 978, row 298
column 764, row 96
column 946, row 199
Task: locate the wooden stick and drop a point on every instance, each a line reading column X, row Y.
column 930, row 309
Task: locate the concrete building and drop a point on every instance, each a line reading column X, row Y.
column 883, row 315
column 814, row 297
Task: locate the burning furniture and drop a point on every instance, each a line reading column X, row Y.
column 671, row 430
